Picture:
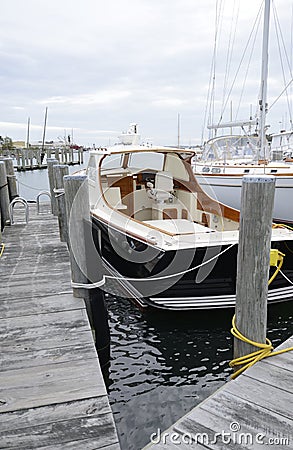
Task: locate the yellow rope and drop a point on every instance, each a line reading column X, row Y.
column 2, row 249
column 276, row 260
column 282, row 225
column 266, row 350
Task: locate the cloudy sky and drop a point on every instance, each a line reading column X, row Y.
column 100, row 64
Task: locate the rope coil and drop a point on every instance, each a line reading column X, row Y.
column 265, row 350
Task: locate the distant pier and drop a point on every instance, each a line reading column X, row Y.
column 52, row 391
column 33, row 158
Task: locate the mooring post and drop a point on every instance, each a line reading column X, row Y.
column 257, row 200
column 59, row 171
column 23, row 158
column 18, row 158
column 99, row 312
column 86, row 267
column 11, row 177
column 51, row 162
column 26, row 158
column 4, row 196
column 31, row 158
column 80, row 155
column 38, row 157
column 77, row 210
column 71, row 155
column 57, row 155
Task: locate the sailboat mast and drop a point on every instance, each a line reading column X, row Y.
column 178, row 130
column 28, row 133
column 44, row 130
column 264, row 79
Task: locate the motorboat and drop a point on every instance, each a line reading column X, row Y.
column 158, row 231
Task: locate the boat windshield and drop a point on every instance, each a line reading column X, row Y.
column 231, row 147
column 146, row 160
column 113, row 161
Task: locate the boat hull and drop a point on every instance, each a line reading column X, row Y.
column 209, row 281
column 227, row 189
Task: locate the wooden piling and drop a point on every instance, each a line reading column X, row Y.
column 38, row 158
column 11, row 178
column 77, row 210
column 85, row 261
column 80, row 155
column 59, row 171
column 71, row 155
column 253, row 260
column 23, row 158
column 18, row 158
column 4, row 196
column 31, row 157
column 26, row 158
column 57, row 156
column 96, row 298
column 50, row 163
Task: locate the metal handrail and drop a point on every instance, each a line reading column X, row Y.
column 38, row 199
column 24, row 203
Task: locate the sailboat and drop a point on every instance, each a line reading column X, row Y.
column 226, row 159
column 161, row 235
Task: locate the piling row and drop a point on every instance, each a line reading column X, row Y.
column 36, row 158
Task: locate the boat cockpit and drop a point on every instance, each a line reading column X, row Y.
column 158, row 188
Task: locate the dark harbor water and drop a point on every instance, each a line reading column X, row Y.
column 163, row 364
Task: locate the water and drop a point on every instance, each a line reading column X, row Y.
column 163, row 364
column 31, row 182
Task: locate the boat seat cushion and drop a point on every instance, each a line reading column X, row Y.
column 113, row 197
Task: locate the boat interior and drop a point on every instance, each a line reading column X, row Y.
column 158, row 188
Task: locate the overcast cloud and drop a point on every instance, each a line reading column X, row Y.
column 99, row 65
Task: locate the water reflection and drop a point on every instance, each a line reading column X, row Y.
column 165, row 364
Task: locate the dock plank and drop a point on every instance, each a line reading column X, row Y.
column 20, row 307
column 11, row 360
column 249, row 389
column 52, row 393
column 254, row 411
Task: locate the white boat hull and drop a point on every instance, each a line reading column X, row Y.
column 227, row 189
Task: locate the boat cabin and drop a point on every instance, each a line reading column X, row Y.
column 154, row 186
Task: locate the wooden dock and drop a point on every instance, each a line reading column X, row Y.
column 35, row 158
column 52, row 393
column 254, row 411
